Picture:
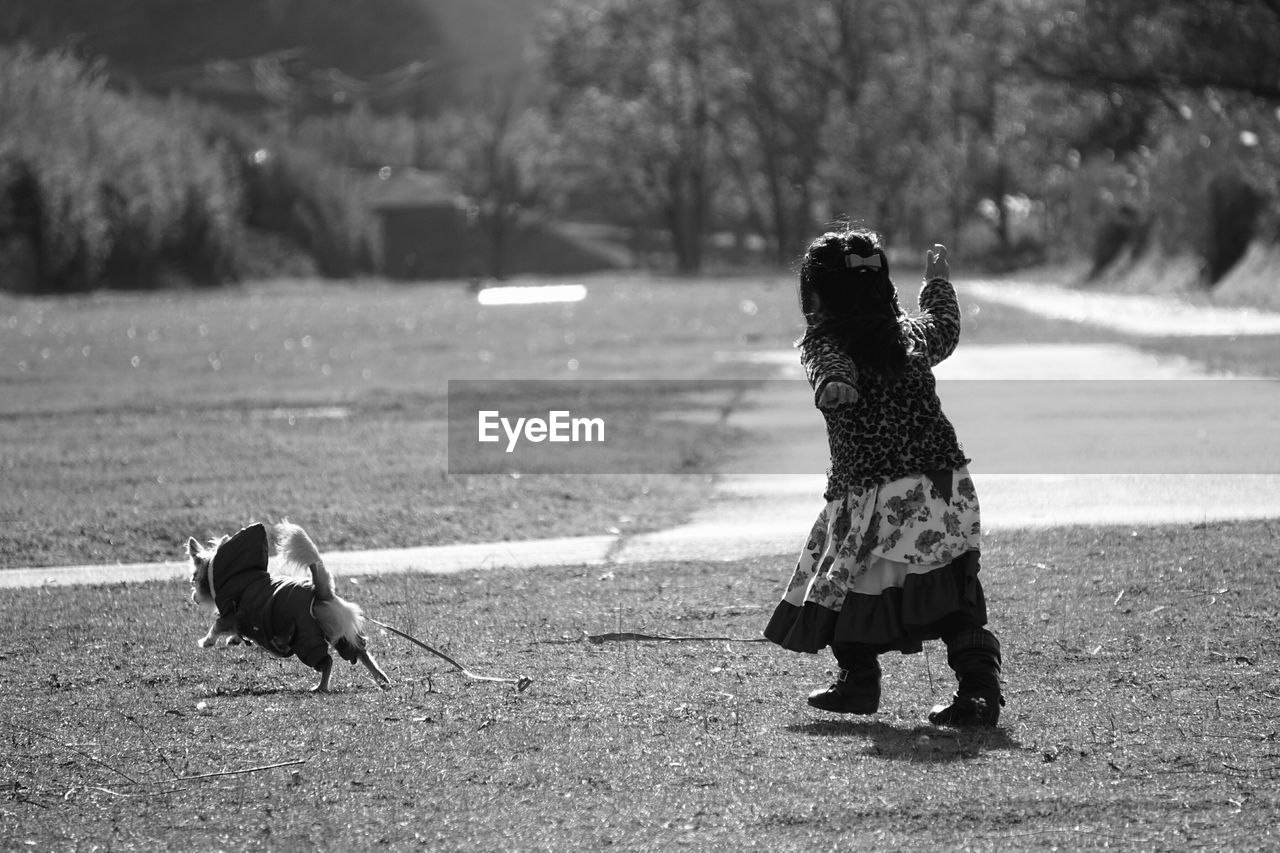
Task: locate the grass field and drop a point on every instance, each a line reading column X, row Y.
column 1141, row 673
column 129, row 422
column 1140, row 663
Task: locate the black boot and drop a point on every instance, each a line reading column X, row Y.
column 967, row 712
column 974, row 655
column 856, row 689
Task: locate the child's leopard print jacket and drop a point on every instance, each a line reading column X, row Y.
column 896, row 428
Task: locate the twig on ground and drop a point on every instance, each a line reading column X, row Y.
column 199, row 776
column 1069, row 830
column 121, row 773
column 1266, row 772
column 164, row 760
column 79, row 752
column 634, row 637
column 71, row 792
column 521, row 683
column 195, row 777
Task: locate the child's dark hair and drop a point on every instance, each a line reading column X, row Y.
column 846, row 294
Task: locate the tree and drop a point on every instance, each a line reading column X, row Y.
column 247, row 52
column 914, row 142
column 504, row 156
column 776, row 93
column 769, row 116
column 632, row 92
column 1193, row 88
column 1161, row 46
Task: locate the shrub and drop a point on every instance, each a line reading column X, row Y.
column 131, row 191
column 1211, row 178
column 126, row 193
column 296, row 193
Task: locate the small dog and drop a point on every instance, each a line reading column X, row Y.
column 284, row 615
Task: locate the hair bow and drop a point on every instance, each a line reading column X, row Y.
column 854, row 261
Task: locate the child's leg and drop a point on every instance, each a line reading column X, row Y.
column 974, row 655
column 857, row 687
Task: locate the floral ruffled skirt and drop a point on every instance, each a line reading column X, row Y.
column 887, row 567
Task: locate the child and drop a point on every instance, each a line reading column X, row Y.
column 893, row 558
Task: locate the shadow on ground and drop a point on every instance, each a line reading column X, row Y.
column 926, row 744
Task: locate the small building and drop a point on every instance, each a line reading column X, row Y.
column 426, row 227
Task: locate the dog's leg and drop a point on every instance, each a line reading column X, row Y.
column 219, row 629
column 372, row 665
column 326, row 669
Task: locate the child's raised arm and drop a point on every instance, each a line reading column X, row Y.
column 939, row 320
column 830, row 371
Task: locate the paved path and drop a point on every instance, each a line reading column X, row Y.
column 1143, row 467
column 1002, row 398
column 1146, row 316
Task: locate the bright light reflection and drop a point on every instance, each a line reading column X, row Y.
column 532, row 295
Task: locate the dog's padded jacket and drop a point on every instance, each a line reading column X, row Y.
column 274, row 612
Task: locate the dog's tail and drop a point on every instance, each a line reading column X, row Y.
column 297, row 549
column 341, row 621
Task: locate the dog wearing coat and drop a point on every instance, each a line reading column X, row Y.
column 285, row 615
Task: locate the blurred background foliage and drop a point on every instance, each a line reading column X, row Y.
column 146, row 142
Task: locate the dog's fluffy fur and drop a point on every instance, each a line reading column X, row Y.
column 340, row 621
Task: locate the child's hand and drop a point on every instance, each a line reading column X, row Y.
column 837, row 394
column 936, row 265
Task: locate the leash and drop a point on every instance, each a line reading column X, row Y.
column 521, row 683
